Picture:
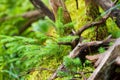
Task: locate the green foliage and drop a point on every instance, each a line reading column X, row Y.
column 18, row 55
column 101, row 49
column 67, row 38
column 11, row 11
column 72, row 66
column 37, row 46
column 41, row 26
column 59, row 25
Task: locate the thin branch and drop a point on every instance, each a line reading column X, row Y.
column 79, row 32
column 77, row 4
column 40, row 5
column 27, row 25
column 27, row 15
column 64, row 43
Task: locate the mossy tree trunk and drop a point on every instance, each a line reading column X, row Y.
column 92, row 11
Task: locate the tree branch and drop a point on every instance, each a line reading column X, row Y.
column 40, row 5
column 27, row 15
column 79, row 32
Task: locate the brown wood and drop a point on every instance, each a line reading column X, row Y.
column 106, row 66
column 41, row 6
column 93, row 58
column 55, row 4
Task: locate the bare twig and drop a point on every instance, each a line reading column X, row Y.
column 40, row 5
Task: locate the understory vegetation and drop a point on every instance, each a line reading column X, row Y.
column 35, row 52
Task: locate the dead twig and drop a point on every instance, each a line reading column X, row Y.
column 40, row 5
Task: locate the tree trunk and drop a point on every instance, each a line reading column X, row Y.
column 92, row 11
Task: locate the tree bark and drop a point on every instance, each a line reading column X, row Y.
column 41, row 6
column 92, row 11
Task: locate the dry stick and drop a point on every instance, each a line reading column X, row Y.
column 79, row 32
column 42, row 9
column 40, row 5
column 77, row 4
column 76, row 51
